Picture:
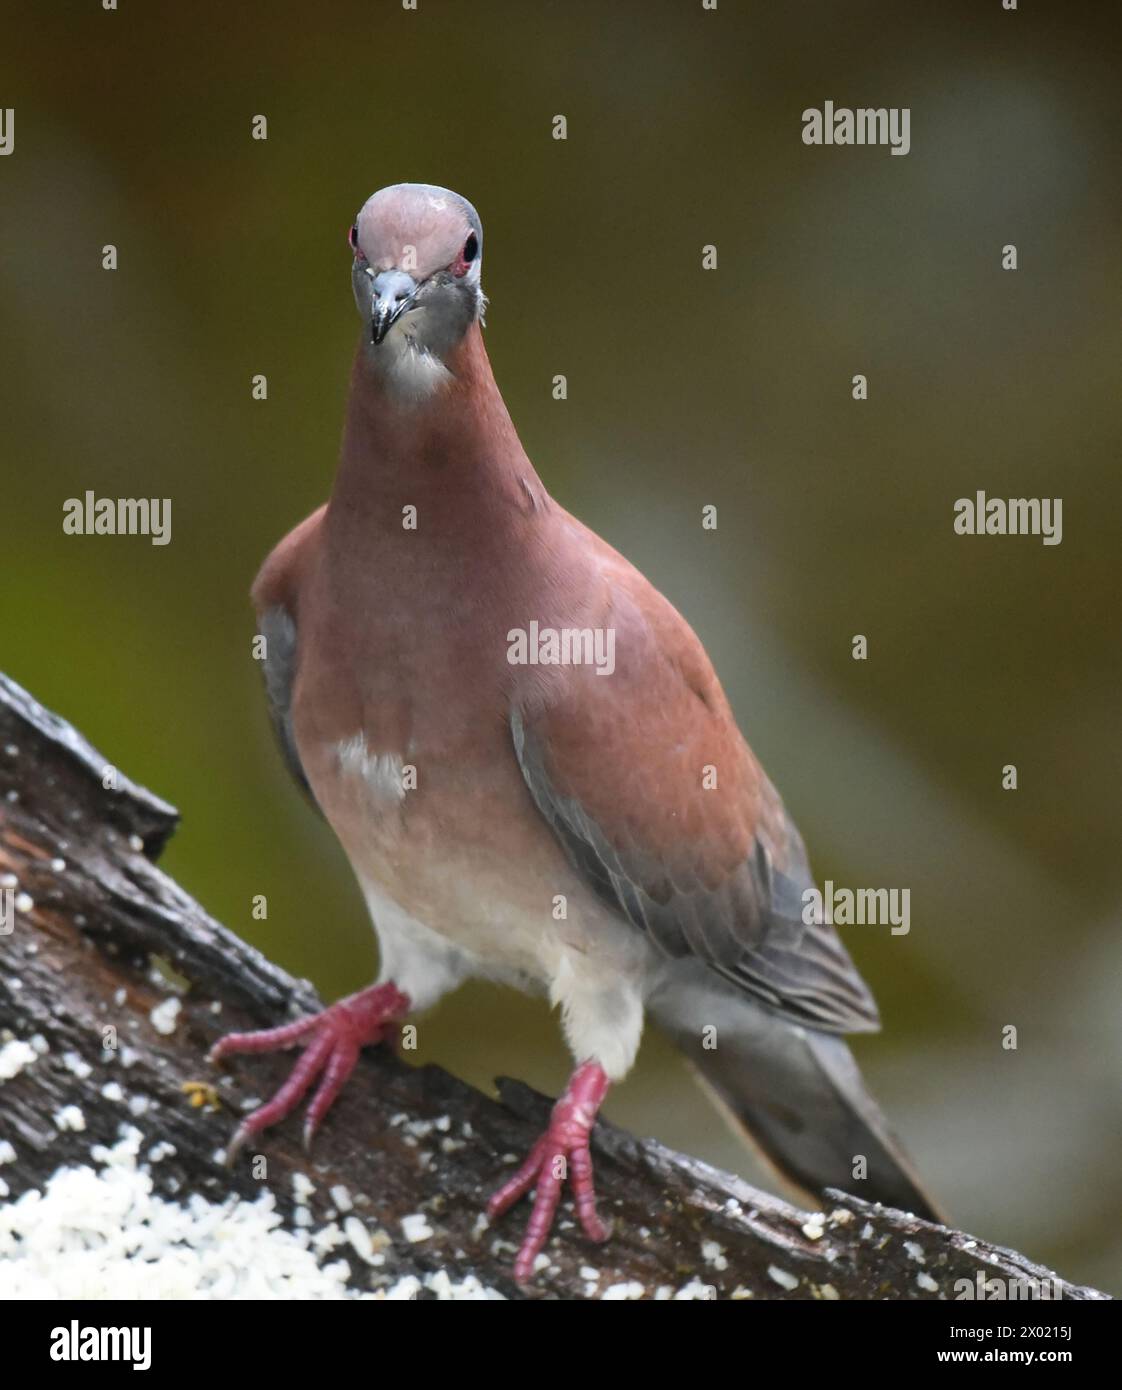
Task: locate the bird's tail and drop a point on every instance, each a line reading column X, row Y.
column 796, row 1095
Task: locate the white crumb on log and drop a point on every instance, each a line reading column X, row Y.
column 328, row 1238
column 443, row 1286
column 404, row 1290
column 98, row 1230
column 76, row 1064
column 361, row 1241
column 468, row 1289
column 782, row 1277
column 416, row 1227
column 714, row 1255
column 616, row 1293
column 70, row 1117
column 14, row 1056
column 695, row 1289
column 165, row 1015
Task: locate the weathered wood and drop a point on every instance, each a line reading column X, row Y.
column 91, row 952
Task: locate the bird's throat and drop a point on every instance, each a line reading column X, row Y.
column 453, row 455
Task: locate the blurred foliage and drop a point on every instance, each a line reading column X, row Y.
column 685, row 387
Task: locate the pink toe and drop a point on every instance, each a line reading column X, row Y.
column 340, row 1064
column 563, row 1151
column 265, row 1040
column 334, row 1040
column 519, row 1184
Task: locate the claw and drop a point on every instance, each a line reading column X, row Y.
column 335, row 1039
column 562, row 1151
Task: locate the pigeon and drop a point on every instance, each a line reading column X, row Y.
column 532, row 767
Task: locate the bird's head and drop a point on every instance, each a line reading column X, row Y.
column 417, row 252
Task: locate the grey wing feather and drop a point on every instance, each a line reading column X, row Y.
column 279, row 631
column 796, row 1091
column 750, row 930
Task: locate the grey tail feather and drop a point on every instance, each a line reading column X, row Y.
column 797, row 1096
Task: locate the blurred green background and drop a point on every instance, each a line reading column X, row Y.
column 685, row 388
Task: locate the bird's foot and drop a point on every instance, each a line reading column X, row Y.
column 332, row 1041
column 561, row 1152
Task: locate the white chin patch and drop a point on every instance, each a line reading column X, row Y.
column 411, row 372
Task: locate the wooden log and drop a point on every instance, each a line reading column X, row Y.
column 98, row 945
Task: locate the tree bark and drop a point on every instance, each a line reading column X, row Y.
column 96, row 936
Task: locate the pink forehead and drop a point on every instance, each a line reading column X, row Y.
column 395, row 220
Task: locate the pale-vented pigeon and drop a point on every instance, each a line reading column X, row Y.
column 532, row 766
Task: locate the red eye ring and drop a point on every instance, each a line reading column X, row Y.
column 468, row 253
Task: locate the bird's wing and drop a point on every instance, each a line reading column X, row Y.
column 657, row 799
column 276, row 593
column 278, row 628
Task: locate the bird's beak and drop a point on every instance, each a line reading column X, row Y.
column 392, row 292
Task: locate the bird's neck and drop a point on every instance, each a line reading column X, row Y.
column 453, row 454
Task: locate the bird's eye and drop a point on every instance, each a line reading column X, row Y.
column 471, row 249
column 352, row 237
